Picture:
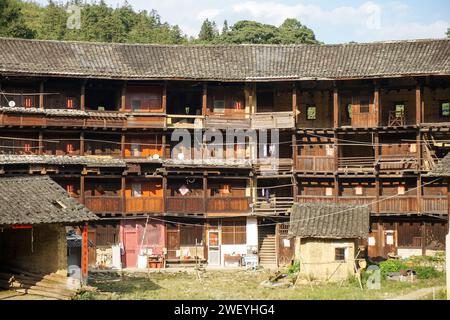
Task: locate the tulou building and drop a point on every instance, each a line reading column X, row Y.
column 352, row 124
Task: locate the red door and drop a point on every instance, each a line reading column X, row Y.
column 130, row 244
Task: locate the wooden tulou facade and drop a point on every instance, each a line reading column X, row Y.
column 365, row 129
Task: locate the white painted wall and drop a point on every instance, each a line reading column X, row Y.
column 252, row 231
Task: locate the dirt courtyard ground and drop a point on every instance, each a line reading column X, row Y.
column 236, row 284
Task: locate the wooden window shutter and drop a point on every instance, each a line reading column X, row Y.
column 27, row 147
column 70, row 103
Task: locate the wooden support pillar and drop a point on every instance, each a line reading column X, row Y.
column 377, row 193
column 204, row 99
column 376, row 95
column 418, row 104
column 294, row 100
column 164, row 143
column 164, row 188
column 336, row 152
column 336, row 189
column 82, row 143
column 294, row 188
column 41, row 95
column 294, row 150
column 419, row 194
column 336, row 109
column 419, row 149
column 164, row 98
column 83, row 96
column 123, row 97
column 82, row 189
column 424, row 239
column 41, row 142
column 84, row 255
column 205, row 193
column 123, row 185
column 122, row 145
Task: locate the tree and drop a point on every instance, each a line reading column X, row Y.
column 208, row 31
column 12, row 22
column 52, row 22
column 225, row 28
column 448, row 32
column 292, row 31
column 252, row 32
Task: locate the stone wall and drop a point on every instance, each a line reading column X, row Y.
column 42, row 249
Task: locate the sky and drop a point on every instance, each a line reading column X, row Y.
column 336, row 21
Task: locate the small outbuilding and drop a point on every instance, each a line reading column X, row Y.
column 34, row 213
column 327, row 237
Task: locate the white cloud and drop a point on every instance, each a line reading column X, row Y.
column 412, row 30
column 208, row 14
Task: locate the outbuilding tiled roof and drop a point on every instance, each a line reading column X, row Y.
column 224, row 62
column 38, row 200
column 329, row 220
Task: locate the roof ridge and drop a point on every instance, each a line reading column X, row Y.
column 193, row 45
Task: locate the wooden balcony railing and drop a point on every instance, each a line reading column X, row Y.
column 435, row 204
column 400, row 204
column 184, row 121
column 364, row 120
column 359, row 201
column 184, row 205
column 228, row 204
column 144, row 205
column 273, row 205
column 104, row 204
column 397, row 163
column 273, row 120
column 356, row 164
column 315, row 199
column 315, row 164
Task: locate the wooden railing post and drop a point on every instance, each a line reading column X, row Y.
column 336, row 109
column 83, row 96
column 41, row 95
column 123, row 97
column 204, row 98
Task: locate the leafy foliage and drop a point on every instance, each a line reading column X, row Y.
column 448, row 32
column 392, row 265
column 103, row 23
column 294, row 268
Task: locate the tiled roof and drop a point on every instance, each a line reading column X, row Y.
column 38, row 200
column 442, row 168
column 94, row 161
column 225, row 62
column 329, row 220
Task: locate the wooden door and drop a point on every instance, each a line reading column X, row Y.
column 130, row 244
column 173, row 241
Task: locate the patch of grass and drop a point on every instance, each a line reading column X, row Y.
column 238, row 284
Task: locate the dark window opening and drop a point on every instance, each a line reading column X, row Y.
column 311, row 113
column 339, row 254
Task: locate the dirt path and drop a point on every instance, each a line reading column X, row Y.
column 415, row 295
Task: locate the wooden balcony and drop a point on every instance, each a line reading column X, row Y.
column 228, row 121
column 266, row 167
column 364, row 120
column 228, row 205
column 315, row 164
column 148, row 121
column 273, row 120
column 394, row 163
column 315, row 199
column 398, row 204
column 435, row 204
column 273, row 205
column 356, row 165
column 359, row 201
column 144, row 205
column 104, row 204
column 22, row 120
column 185, row 205
column 184, row 121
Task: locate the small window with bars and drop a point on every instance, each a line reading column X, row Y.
column 27, row 147
column 339, row 254
column 311, row 113
column 445, row 109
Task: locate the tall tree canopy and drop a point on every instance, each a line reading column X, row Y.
column 448, row 32
column 103, row 23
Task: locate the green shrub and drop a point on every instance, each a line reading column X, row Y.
column 392, row 266
column 426, row 272
column 294, row 268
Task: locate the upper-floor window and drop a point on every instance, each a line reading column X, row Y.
column 27, row 147
column 219, row 105
column 445, row 109
column 399, row 109
column 70, row 103
column 136, row 189
column 311, row 113
column 28, row 102
column 135, row 105
column 69, row 148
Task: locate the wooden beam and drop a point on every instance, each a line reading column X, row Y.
column 424, row 239
column 294, row 149
column 83, row 96
column 377, row 195
column 204, row 99
column 164, row 188
column 251, row 92
column 336, row 111
column 123, row 185
column 419, row 194
column 205, row 193
column 41, row 95
column 336, row 189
